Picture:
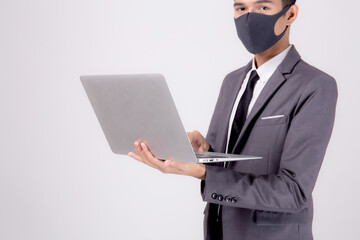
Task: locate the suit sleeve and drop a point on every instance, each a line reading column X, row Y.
column 303, row 151
column 210, row 149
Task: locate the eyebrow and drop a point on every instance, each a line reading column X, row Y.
column 257, row 2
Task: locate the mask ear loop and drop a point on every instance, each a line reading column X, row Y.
column 287, row 7
column 283, row 33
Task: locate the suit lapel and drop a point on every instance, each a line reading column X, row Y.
column 229, row 103
column 268, row 91
column 271, row 87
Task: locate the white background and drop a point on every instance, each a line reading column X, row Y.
column 58, row 177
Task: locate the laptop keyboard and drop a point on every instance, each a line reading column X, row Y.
column 204, row 155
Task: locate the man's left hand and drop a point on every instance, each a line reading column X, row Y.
column 143, row 155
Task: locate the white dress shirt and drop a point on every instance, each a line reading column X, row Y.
column 265, row 71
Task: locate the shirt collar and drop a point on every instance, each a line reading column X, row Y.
column 268, row 68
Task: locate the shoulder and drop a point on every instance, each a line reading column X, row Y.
column 312, row 78
column 234, row 76
column 312, row 87
column 235, row 73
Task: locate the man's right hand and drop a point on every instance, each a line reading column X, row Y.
column 198, row 142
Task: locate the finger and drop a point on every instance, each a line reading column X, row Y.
column 150, row 157
column 135, row 156
column 189, row 135
column 191, row 138
column 201, row 148
column 193, row 141
column 194, row 146
column 175, row 165
column 167, row 163
column 201, row 142
column 147, row 154
column 167, row 167
column 171, row 167
column 143, row 156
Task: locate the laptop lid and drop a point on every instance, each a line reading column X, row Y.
column 134, row 107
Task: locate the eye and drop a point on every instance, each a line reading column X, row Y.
column 240, row 9
column 264, row 8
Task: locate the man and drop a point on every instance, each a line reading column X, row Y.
column 278, row 107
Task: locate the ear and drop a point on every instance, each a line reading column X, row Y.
column 291, row 14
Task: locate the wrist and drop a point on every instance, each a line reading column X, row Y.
column 201, row 173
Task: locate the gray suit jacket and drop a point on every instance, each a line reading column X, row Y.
column 270, row 198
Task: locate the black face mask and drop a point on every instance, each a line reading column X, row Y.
column 256, row 30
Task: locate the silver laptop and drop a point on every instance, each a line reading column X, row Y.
column 134, row 107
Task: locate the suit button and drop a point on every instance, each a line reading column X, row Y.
column 233, row 200
column 220, row 198
column 228, row 199
column 214, row 196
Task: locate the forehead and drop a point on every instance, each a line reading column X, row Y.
column 249, row 2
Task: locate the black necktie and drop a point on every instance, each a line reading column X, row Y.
column 242, row 109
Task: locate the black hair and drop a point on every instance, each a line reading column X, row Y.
column 288, row 2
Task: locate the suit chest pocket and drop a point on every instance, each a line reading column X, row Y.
column 271, row 120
